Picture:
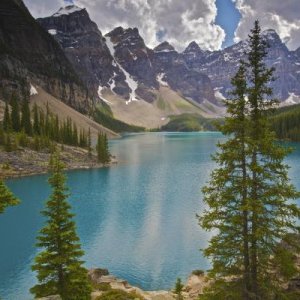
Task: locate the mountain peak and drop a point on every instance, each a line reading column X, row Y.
column 67, row 10
column 192, row 47
column 164, row 47
column 270, row 34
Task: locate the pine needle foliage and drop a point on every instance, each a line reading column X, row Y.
column 249, row 196
column 58, row 265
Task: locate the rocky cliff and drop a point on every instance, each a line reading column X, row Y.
column 220, row 66
column 122, row 62
column 29, row 54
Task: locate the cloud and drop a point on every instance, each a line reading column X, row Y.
column 283, row 16
column 176, row 21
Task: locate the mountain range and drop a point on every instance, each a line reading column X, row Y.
column 68, row 56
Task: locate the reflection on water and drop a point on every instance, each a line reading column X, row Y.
column 137, row 219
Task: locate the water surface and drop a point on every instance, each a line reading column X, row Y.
column 137, row 219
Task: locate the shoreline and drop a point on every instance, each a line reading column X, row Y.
column 26, row 162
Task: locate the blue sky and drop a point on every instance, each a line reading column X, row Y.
column 228, row 18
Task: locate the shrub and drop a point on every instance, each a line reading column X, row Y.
column 198, row 272
column 119, row 295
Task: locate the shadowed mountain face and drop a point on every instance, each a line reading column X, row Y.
column 220, row 66
column 28, row 54
column 122, row 61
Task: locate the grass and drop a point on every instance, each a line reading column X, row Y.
column 119, row 295
column 189, row 122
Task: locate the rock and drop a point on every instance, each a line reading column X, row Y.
column 29, row 55
column 56, row 297
column 95, row 275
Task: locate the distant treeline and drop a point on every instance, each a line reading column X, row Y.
column 286, row 123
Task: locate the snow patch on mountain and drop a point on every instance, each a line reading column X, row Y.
column 291, row 100
column 52, row 31
column 160, row 80
column 218, row 94
column 67, row 10
column 100, row 95
column 133, row 85
column 33, row 90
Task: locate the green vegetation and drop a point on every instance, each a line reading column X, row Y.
column 59, row 265
column 18, row 130
column 6, row 198
column 108, row 121
column 189, row 122
column 102, row 149
column 249, row 197
column 178, row 289
column 119, row 295
column 198, row 272
column 286, row 123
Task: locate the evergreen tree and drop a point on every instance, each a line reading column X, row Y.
column 6, row 118
column 59, row 266
column 102, row 149
column 8, row 143
column 178, row 289
column 249, row 195
column 2, row 136
column 15, row 114
column 36, row 120
column 6, row 197
column 26, row 119
column 89, row 143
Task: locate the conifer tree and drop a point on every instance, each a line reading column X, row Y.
column 6, row 118
column 36, row 120
column 249, row 195
column 8, row 143
column 59, row 265
column 2, row 136
column 7, row 198
column 102, row 149
column 89, row 143
column 15, row 114
column 26, row 119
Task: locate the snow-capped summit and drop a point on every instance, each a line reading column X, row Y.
column 67, row 10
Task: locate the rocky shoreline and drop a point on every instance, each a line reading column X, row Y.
column 102, row 281
column 27, row 162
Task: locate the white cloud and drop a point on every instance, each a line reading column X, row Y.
column 281, row 15
column 176, row 21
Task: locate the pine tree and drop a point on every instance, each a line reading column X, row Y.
column 178, row 289
column 59, row 266
column 248, row 196
column 6, row 118
column 26, row 119
column 15, row 114
column 7, row 198
column 8, row 147
column 102, row 149
column 36, row 120
column 89, row 143
column 2, row 136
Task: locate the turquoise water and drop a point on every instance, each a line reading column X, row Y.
column 137, row 218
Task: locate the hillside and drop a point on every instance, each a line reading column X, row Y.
column 28, row 54
column 63, row 111
column 286, row 122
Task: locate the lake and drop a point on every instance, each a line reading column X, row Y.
column 137, row 219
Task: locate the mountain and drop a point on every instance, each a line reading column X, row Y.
column 220, row 66
column 121, row 69
column 29, row 55
column 83, row 45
